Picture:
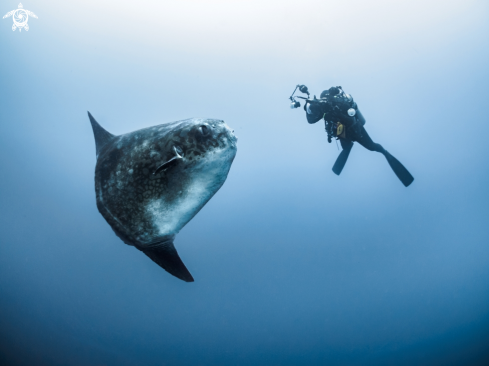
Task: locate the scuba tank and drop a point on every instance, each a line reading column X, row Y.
column 360, row 117
column 355, row 113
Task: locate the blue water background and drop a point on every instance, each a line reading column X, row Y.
column 293, row 264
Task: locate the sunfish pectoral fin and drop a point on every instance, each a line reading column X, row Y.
column 169, row 163
column 166, row 256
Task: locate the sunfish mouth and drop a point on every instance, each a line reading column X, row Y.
column 234, row 138
column 227, row 130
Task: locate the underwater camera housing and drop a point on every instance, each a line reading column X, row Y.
column 294, row 103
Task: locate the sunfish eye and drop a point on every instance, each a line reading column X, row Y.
column 204, row 130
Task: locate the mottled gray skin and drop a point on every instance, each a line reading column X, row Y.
column 146, row 209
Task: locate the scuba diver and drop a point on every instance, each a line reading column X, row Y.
column 344, row 121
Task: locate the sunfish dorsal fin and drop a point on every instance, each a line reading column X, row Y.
column 102, row 137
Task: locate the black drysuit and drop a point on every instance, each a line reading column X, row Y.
column 354, row 132
column 361, row 136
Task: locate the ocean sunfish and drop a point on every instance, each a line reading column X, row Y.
column 151, row 182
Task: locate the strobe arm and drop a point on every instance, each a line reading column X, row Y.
column 294, row 102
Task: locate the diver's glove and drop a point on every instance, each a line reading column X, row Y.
column 313, row 109
column 313, row 112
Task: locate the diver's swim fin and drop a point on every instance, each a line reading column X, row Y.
column 166, row 256
column 402, row 173
column 341, row 160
